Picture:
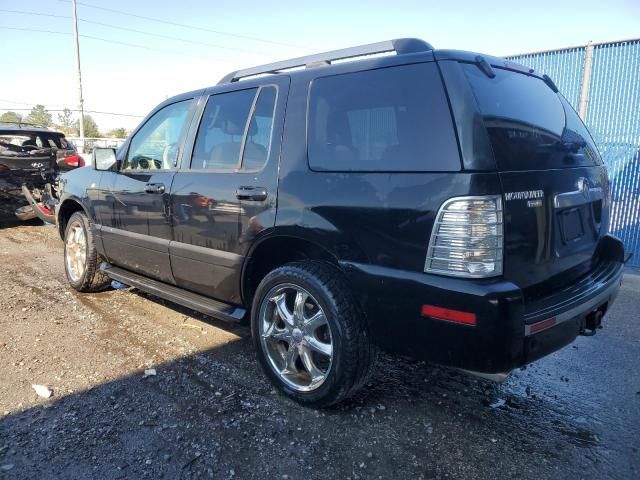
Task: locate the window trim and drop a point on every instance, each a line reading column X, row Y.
column 273, row 121
column 181, row 141
column 238, row 168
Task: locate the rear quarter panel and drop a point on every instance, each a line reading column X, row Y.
column 377, row 218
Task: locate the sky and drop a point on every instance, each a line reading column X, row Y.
column 129, row 72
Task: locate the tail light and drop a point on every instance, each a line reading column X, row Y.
column 467, row 238
column 74, row 161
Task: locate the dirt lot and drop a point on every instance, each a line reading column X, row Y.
column 210, row 413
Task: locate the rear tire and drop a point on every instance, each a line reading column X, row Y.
column 311, row 339
column 81, row 259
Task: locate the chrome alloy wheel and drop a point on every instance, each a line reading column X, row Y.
column 296, row 337
column 76, row 252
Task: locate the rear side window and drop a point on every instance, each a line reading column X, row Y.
column 391, row 119
column 53, row 140
column 527, row 123
column 235, row 130
column 258, row 142
column 221, row 130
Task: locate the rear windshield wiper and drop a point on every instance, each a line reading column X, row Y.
column 484, row 66
column 549, row 82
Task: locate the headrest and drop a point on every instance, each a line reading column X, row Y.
column 231, row 128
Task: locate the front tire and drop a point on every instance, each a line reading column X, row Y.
column 81, row 259
column 311, row 338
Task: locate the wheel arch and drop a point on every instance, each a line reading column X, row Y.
column 67, row 208
column 274, row 251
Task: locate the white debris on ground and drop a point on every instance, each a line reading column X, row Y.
column 42, row 391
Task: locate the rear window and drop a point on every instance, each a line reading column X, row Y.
column 37, row 139
column 391, row 119
column 54, row 140
column 530, row 126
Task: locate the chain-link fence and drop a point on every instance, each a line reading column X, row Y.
column 602, row 82
column 86, row 145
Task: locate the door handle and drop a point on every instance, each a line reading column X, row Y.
column 256, row 194
column 154, row 188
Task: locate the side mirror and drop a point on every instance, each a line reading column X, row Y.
column 104, row 158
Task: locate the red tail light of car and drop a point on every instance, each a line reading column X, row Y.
column 74, row 161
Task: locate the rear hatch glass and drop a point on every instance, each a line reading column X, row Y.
column 25, row 151
column 528, row 125
column 553, row 181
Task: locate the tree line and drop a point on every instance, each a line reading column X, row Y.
column 66, row 122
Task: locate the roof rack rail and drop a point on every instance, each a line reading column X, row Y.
column 13, row 122
column 399, row 45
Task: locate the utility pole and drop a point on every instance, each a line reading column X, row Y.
column 586, row 81
column 80, row 100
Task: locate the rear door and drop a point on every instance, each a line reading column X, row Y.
column 552, row 177
column 225, row 193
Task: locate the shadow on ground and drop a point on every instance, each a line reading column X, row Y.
column 213, row 414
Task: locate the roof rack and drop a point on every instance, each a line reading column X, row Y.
column 13, row 122
column 399, row 45
column 21, row 124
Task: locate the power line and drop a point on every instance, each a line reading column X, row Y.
column 23, row 12
column 91, row 37
column 126, row 29
column 184, row 25
column 33, row 30
column 174, row 52
column 97, row 112
column 116, row 114
column 168, row 37
column 27, row 103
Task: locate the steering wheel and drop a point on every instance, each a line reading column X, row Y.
column 140, row 162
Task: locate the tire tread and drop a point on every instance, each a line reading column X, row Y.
column 94, row 280
column 359, row 353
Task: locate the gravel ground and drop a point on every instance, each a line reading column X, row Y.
column 209, row 412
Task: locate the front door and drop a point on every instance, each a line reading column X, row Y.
column 226, row 192
column 137, row 231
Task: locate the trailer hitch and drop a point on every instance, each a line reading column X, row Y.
column 592, row 322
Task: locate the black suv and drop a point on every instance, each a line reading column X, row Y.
column 441, row 204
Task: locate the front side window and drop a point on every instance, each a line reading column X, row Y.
column 390, row 119
column 155, row 146
column 235, row 130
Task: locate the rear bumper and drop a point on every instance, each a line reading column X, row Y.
column 509, row 332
